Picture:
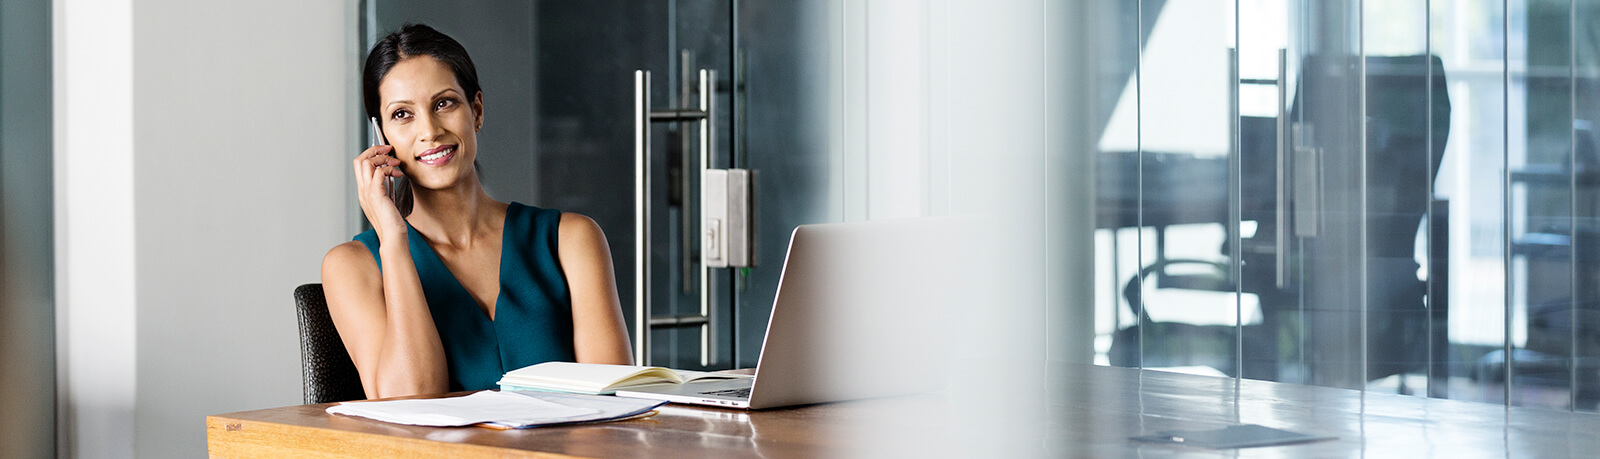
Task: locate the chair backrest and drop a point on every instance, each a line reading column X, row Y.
column 325, row 366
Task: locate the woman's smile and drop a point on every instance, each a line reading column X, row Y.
column 437, row 156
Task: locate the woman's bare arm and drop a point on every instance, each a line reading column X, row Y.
column 384, row 322
column 383, row 318
column 599, row 334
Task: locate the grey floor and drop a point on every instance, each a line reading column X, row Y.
column 1104, row 406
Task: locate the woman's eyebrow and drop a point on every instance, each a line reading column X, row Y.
column 434, row 96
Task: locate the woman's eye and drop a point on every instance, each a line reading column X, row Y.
column 444, row 104
column 400, row 114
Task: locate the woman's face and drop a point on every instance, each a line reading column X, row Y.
column 430, row 121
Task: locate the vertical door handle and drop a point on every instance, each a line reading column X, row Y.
column 1235, row 179
column 641, row 215
column 643, row 116
column 708, row 88
column 1282, row 253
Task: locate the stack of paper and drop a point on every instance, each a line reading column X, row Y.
column 499, row 409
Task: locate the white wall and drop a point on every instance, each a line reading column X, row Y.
column 95, row 308
column 896, row 135
column 202, row 156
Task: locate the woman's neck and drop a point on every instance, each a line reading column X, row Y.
column 458, row 216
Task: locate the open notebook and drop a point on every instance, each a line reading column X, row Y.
column 600, row 379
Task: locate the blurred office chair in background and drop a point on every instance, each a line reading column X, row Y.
column 1176, row 344
column 1402, row 93
column 1319, row 257
column 325, row 366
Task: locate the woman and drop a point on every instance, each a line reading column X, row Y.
column 465, row 287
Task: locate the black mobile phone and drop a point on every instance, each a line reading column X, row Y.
column 396, row 187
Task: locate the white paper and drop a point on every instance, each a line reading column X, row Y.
column 607, row 408
column 486, row 406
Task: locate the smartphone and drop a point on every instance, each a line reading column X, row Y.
column 394, row 186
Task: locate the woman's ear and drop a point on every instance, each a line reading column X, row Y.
column 477, row 110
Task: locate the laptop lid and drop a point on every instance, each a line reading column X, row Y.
column 859, row 311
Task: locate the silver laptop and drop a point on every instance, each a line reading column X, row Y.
column 856, row 311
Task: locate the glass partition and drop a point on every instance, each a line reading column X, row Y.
column 1543, row 354
column 1387, row 195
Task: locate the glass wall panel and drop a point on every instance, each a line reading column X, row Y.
column 1327, row 244
column 784, row 129
column 1407, row 109
column 1471, row 40
column 1117, row 30
column 1171, row 131
column 1269, row 55
column 1584, row 162
column 1542, row 211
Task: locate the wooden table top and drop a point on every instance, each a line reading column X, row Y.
column 1082, row 411
column 675, row 431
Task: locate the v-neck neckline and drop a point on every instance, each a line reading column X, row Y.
column 499, row 270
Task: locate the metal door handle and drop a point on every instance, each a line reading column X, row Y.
column 708, row 86
column 1282, row 216
column 1235, row 180
column 641, row 215
column 643, row 116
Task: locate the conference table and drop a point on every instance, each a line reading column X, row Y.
column 1077, row 411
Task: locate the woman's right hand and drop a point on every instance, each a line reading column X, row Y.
column 373, row 168
column 377, row 303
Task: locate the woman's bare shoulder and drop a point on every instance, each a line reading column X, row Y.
column 576, row 220
column 348, row 259
column 578, row 228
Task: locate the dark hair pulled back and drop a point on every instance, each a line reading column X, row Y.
column 413, row 40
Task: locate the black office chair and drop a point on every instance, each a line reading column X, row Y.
column 325, row 366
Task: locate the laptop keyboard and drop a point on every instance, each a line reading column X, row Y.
column 743, row 392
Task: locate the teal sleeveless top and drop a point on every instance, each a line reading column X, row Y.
column 533, row 312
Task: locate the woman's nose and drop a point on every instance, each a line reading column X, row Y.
column 428, row 128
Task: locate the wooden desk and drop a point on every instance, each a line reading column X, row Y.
column 676, row 431
column 1088, row 411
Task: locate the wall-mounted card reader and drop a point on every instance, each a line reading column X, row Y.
column 725, row 207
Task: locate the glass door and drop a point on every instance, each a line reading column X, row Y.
column 682, row 113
